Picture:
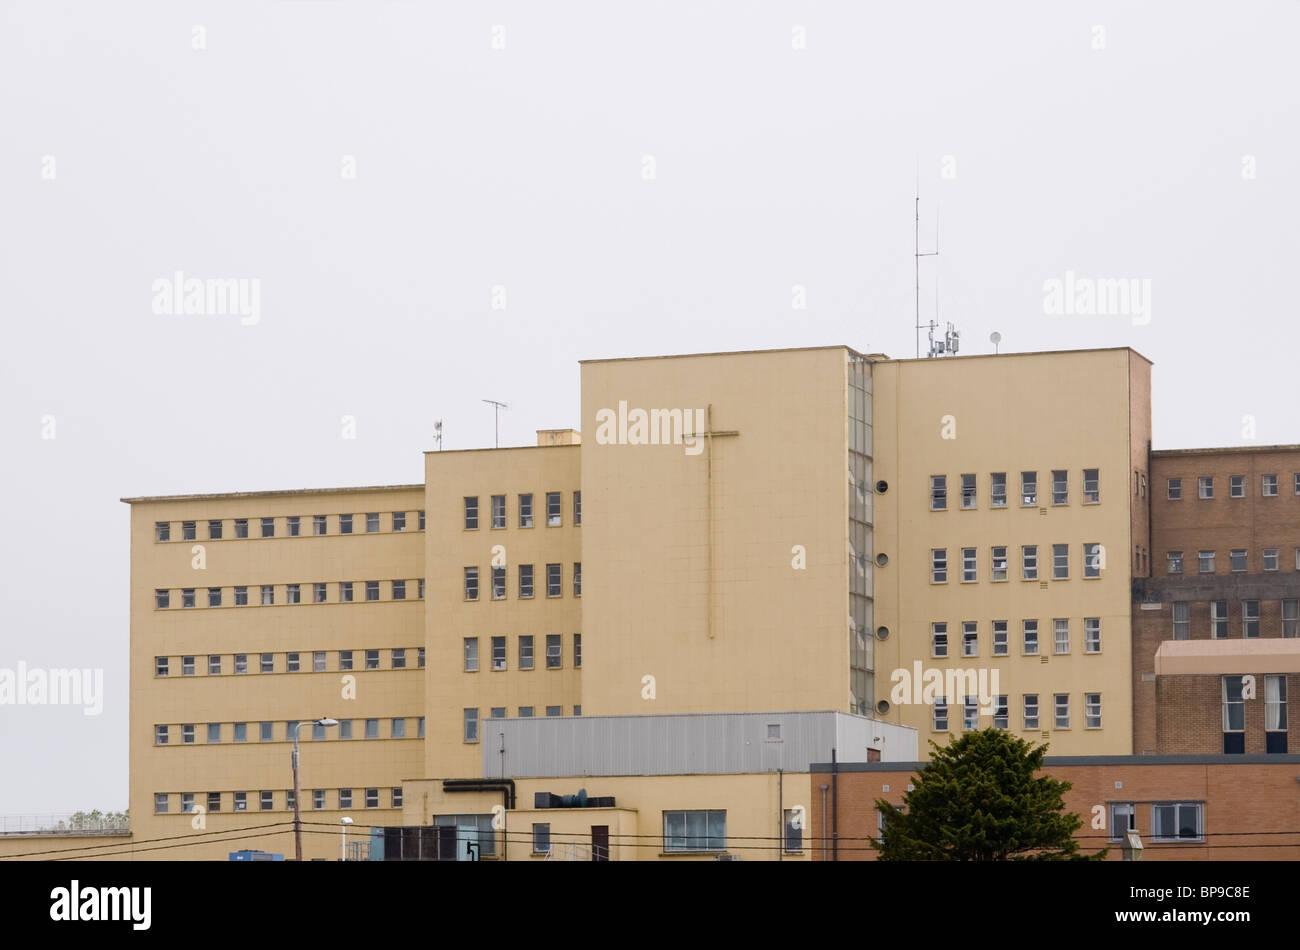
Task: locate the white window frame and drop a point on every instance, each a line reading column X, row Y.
column 939, row 638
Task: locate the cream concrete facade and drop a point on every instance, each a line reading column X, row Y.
column 1010, row 414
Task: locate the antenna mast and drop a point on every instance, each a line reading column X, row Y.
column 497, row 407
column 918, row 255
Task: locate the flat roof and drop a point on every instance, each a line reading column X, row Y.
column 510, row 448
column 676, row 356
column 874, row 357
column 1000, row 356
column 1225, row 450
column 1078, row 760
column 216, row 496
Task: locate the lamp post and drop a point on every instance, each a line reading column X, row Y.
column 297, row 788
column 343, row 845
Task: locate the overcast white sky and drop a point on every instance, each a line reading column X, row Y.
column 523, row 167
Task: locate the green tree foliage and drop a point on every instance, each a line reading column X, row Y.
column 979, row 800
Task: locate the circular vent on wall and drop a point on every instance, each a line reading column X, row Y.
column 882, row 486
column 882, row 633
column 882, row 559
column 882, row 707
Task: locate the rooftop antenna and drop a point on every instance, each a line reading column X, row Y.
column 995, row 338
column 497, row 407
column 437, row 434
column 917, row 253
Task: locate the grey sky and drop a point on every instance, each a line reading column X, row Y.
column 523, row 167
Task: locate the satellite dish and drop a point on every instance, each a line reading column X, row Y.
column 995, row 338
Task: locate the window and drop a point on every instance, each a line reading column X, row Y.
column 187, row 666
column 345, row 524
column 577, row 652
column 498, row 511
column 372, row 798
column 577, row 508
column 214, row 530
column 188, row 531
column 1061, row 702
column 471, row 583
column 1000, row 715
column 372, row 590
column 1030, row 630
column 554, row 656
column 187, row 802
column 526, row 510
column 555, row 710
column 268, row 595
column 345, row 659
column 1205, row 562
column 1275, row 704
column 1028, row 489
column 419, row 731
column 498, row 583
column 267, row 663
column 419, row 657
column 940, row 714
column 1237, row 559
column 552, row 509
column 397, row 728
column 1060, row 562
column 939, row 639
column 214, row 664
column 395, row 797
column 1290, row 618
column 372, row 659
column 1218, row 619
column 1234, row 705
column 525, row 712
column 999, row 563
column 372, row 729
column 1029, row 562
column 1250, row 618
column 541, row 837
column 291, row 663
column 1061, row 638
column 266, row 800
column 1176, row 821
column 968, row 491
column 553, row 582
column 293, row 594
column 471, row 512
column 160, row 803
column 399, row 590
column 938, row 492
column 1000, row 639
column 1175, row 561
column 577, row 578
column 1236, row 486
column 288, row 799
column 1091, row 634
column 268, row 527
column 241, row 596
column 187, row 597
column 998, row 489
column 241, row 662
column 241, row 527
column 1092, row 560
column 525, row 580
column 318, row 661
column 160, row 665
column 399, row 658
column 1060, row 487
column 399, row 520
column 162, row 531
column 970, row 714
column 471, row 725
column 161, row 599
column 938, row 565
column 498, row 653
column 319, row 524
column 187, row 734
column 345, row 728
column 318, row 592
column 214, row 801
column 265, row 731
column 970, row 639
column 1269, row 486
column 1270, row 559
column 1092, row 710
column 345, row 592
column 1123, row 819
column 695, row 831
column 471, row 654
column 214, row 732
column 526, row 653
column 792, row 842
column 498, row 712
column 1031, row 710
column 970, row 571
column 372, row 522
column 160, row 735
column 345, row 798
column 1091, row 486
column 293, row 526
column 420, row 524
column 1175, row 489
column 1205, row 486
column 419, row 588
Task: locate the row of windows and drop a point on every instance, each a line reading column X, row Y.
column 497, row 511
column 266, row 800
column 969, row 499
column 499, row 712
column 970, row 641
column 294, row 662
column 265, row 731
column 554, row 653
column 1268, row 486
column 694, row 830
column 1029, row 708
column 317, row 592
column 554, row 581
column 293, row 526
column 1234, row 705
column 1250, row 620
column 1093, row 562
column 1238, row 560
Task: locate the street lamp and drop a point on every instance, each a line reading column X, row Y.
column 343, row 845
column 297, row 789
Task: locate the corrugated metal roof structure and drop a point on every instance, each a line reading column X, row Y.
column 690, row 744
